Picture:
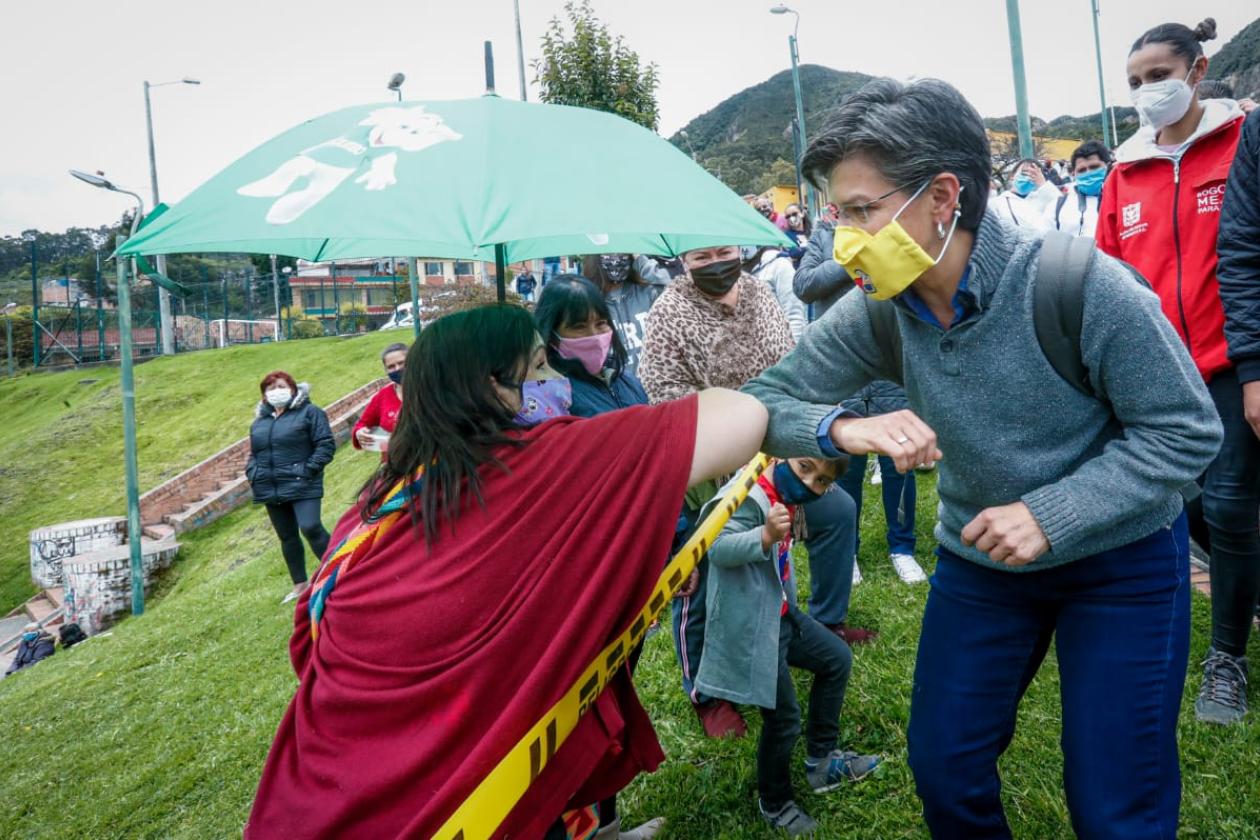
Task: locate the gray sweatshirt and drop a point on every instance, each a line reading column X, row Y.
column 1096, row 473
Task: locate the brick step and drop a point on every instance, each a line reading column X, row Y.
column 40, row 608
column 158, row 531
column 204, row 511
column 56, row 595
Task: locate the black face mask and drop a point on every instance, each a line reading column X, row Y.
column 616, row 267
column 718, row 278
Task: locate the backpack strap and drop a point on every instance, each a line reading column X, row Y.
column 883, row 318
column 1058, row 208
column 1059, row 304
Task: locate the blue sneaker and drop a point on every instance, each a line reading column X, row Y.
column 833, row 770
column 790, row 818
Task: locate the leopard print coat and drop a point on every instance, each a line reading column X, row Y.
column 694, row 342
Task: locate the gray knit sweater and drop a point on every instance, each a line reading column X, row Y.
column 1096, row 474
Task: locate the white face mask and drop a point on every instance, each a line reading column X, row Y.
column 278, row 397
column 1162, row 103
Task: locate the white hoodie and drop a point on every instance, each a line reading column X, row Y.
column 1076, row 214
column 1030, row 210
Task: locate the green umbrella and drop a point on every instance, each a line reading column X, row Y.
column 459, row 180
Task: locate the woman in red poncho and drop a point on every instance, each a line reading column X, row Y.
column 440, row 646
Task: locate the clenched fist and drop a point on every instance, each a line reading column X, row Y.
column 1008, row 534
column 778, row 523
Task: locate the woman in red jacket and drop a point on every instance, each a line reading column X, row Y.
column 1161, row 208
column 382, row 410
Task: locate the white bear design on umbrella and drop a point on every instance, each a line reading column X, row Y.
column 326, row 165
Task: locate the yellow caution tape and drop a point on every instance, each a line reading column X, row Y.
column 487, row 806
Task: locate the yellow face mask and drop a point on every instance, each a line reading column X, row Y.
column 884, row 264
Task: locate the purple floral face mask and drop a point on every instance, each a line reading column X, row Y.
column 543, row 400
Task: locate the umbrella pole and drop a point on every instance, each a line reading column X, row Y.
column 500, row 268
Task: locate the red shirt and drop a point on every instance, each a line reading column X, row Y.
column 382, row 410
column 431, row 664
column 1161, row 216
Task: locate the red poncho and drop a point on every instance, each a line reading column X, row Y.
column 430, row 666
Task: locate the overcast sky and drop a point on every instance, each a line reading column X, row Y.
column 71, row 72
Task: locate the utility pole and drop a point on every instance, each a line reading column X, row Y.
column 1021, row 87
column 35, row 305
column 413, row 272
column 1102, row 90
column 100, row 311
column 336, row 301
column 275, row 293
column 164, row 297
column 520, row 50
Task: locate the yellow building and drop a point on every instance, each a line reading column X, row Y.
column 1053, row 148
column 781, row 196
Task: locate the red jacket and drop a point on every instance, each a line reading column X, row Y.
column 1160, row 214
column 382, row 410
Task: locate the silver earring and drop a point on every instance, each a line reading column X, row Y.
column 940, row 230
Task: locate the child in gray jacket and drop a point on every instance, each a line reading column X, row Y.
column 755, row 632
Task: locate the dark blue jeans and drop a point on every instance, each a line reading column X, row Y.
column 899, row 494
column 831, row 542
column 1121, row 624
column 1231, row 507
column 805, row 644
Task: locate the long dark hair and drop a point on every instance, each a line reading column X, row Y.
column 1186, row 43
column 452, row 419
column 570, row 299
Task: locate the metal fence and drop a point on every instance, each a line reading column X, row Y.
column 234, row 308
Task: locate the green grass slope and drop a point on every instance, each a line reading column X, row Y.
column 61, row 437
column 160, row 729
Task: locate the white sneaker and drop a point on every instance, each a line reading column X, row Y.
column 857, row 574
column 908, row 569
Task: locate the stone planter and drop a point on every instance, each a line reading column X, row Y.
column 53, row 545
column 98, row 584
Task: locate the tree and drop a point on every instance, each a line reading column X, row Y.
column 589, row 68
column 782, row 173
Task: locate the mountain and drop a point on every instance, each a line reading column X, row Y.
column 747, row 139
column 741, row 139
column 1238, row 62
column 1071, row 128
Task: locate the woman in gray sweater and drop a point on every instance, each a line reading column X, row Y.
column 1060, row 514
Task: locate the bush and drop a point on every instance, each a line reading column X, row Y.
column 306, row 328
column 19, row 321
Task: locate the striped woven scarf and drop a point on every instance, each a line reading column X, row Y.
column 355, row 546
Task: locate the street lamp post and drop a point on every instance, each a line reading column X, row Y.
column 396, row 83
column 800, row 107
column 164, row 297
column 1023, row 123
column 127, row 377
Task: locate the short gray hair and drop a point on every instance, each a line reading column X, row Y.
column 911, row 133
column 393, row 348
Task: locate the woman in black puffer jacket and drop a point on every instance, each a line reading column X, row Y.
column 290, row 444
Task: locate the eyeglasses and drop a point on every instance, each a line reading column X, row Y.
column 861, row 213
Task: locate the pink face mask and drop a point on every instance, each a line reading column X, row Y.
column 591, row 350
